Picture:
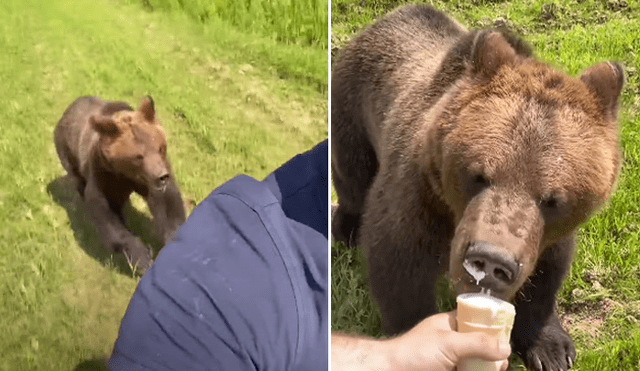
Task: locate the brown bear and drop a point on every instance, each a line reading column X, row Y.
column 111, row 150
column 456, row 149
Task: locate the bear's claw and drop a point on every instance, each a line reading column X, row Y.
column 551, row 349
column 569, row 361
column 537, row 363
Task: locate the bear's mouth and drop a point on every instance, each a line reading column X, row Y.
column 486, row 267
column 468, row 285
column 475, row 280
column 472, row 281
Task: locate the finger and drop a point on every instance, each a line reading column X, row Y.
column 453, row 322
column 476, row 345
column 504, row 365
column 441, row 321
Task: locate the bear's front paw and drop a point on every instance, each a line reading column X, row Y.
column 169, row 237
column 552, row 350
column 138, row 255
column 344, row 227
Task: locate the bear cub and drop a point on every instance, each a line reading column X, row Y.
column 112, row 150
column 458, row 151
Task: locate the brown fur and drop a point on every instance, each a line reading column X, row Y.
column 448, row 145
column 111, row 151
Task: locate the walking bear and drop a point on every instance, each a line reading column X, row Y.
column 456, row 149
column 111, row 151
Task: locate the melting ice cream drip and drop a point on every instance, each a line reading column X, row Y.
column 474, row 272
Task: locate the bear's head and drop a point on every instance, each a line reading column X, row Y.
column 527, row 154
column 133, row 145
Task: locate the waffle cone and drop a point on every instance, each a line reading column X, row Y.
column 483, row 313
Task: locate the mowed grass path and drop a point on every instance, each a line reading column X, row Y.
column 600, row 300
column 227, row 109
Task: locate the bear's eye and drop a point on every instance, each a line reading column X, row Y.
column 552, row 208
column 139, row 157
column 549, row 202
column 480, row 180
column 474, row 184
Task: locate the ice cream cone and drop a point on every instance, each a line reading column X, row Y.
column 483, row 313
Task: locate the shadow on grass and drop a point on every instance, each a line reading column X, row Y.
column 96, row 364
column 63, row 191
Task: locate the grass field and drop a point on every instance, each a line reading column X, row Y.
column 600, row 300
column 230, row 101
column 289, row 21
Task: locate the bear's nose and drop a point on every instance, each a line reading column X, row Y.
column 162, row 180
column 490, row 266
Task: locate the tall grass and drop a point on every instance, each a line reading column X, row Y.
column 288, row 21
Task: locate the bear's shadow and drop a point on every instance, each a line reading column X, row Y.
column 96, row 364
column 63, row 191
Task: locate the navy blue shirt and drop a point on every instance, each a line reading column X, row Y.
column 244, row 286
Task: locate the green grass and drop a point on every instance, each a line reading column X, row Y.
column 306, row 66
column 600, row 300
column 289, row 38
column 231, row 102
column 290, row 21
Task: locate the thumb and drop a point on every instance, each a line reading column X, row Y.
column 477, row 345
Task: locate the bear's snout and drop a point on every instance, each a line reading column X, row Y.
column 496, row 243
column 156, row 171
column 491, row 268
column 162, row 180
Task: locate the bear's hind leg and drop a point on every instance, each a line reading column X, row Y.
column 353, row 166
column 70, row 163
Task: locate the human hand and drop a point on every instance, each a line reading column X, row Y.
column 434, row 345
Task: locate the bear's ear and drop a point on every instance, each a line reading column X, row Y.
column 147, row 108
column 104, row 125
column 605, row 80
column 490, row 51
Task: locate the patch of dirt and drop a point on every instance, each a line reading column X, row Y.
column 588, row 317
column 617, row 5
column 563, row 17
